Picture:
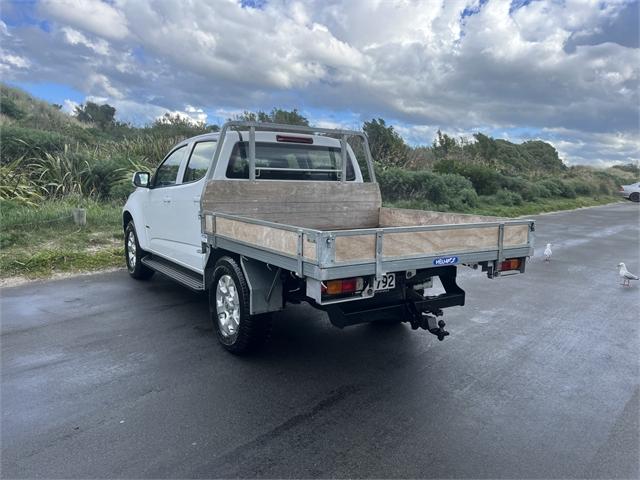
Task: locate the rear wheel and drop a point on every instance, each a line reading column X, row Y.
column 133, row 254
column 634, row 197
column 238, row 330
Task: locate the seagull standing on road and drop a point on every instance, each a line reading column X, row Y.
column 626, row 275
column 547, row 253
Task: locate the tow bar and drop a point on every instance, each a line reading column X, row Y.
column 428, row 322
column 404, row 304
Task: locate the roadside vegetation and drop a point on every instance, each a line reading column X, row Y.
column 52, row 162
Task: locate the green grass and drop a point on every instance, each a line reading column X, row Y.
column 487, row 206
column 39, row 241
column 46, row 262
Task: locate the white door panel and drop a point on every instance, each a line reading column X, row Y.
column 185, row 221
column 186, row 204
column 160, row 207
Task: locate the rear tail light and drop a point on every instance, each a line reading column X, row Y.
column 510, row 264
column 342, row 286
column 291, row 139
column 621, row 189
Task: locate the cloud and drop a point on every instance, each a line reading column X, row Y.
column 69, row 106
column 561, row 68
column 75, row 37
column 190, row 113
column 93, row 16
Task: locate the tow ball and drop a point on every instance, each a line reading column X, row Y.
column 428, row 322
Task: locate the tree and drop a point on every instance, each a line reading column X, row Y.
column 485, row 146
column 443, row 145
column 178, row 125
column 102, row 116
column 387, row 146
column 277, row 115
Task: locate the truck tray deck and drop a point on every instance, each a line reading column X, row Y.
column 329, row 254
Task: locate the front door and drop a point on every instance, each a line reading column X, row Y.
column 186, row 235
column 160, row 211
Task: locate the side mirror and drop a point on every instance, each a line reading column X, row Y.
column 141, row 179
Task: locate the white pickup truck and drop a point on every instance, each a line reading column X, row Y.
column 261, row 215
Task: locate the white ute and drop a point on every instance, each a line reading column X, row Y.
column 261, row 215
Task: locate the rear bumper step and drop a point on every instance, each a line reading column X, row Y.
column 186, row 277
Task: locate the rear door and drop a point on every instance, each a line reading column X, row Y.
column 186, row 233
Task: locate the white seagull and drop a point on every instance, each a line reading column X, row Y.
column 547, row 253
column 626, row 275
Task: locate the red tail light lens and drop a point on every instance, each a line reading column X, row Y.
column 342, row 286
column 349, row 285
column 510, row 264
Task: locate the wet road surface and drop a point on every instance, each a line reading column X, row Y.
column 103, row 376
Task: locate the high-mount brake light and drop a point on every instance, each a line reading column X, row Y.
column 510, row 264
column 291, row 139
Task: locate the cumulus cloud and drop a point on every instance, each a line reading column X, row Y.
column 69, row 106
column 190, row 113
column 94, row 16
column 566, row 70
column 75, row 37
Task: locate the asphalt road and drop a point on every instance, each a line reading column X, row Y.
column 103, row 376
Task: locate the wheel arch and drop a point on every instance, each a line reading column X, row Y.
column 126, row 218
column 141, row 232
column 264, row 282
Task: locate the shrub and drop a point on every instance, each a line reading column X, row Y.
column 583, row 187
column 559, row 188
column 440, row 189
column 505, row 197
column 10, row 108
column 485, row 180
column 16, row 186
column 19, row 142
column 121, row 191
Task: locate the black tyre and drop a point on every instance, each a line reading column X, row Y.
column 634, row 197
column 238, row 331
column 133, row 254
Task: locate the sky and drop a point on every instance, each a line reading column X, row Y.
column 566, row 72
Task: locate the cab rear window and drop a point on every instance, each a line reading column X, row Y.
column 277, row 161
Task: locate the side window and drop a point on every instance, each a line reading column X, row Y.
column 199, row 161
column 167, row 173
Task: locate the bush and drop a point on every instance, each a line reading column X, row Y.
column 10, row 108
column 17, row 142
column 467, row 197
column 505, row 197
column 121, row 191
column 438, row 189
column 485, row 180
column 559, row 188
column 583, row 187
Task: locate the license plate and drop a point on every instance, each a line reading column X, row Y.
column 386, row 282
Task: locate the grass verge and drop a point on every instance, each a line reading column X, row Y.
column 38, row 242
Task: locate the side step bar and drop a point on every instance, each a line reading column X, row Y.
column 181, row 275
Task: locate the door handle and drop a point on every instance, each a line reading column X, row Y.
column 166, row 199
column 196, row 199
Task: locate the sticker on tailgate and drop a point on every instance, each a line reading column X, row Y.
column 445, row 261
